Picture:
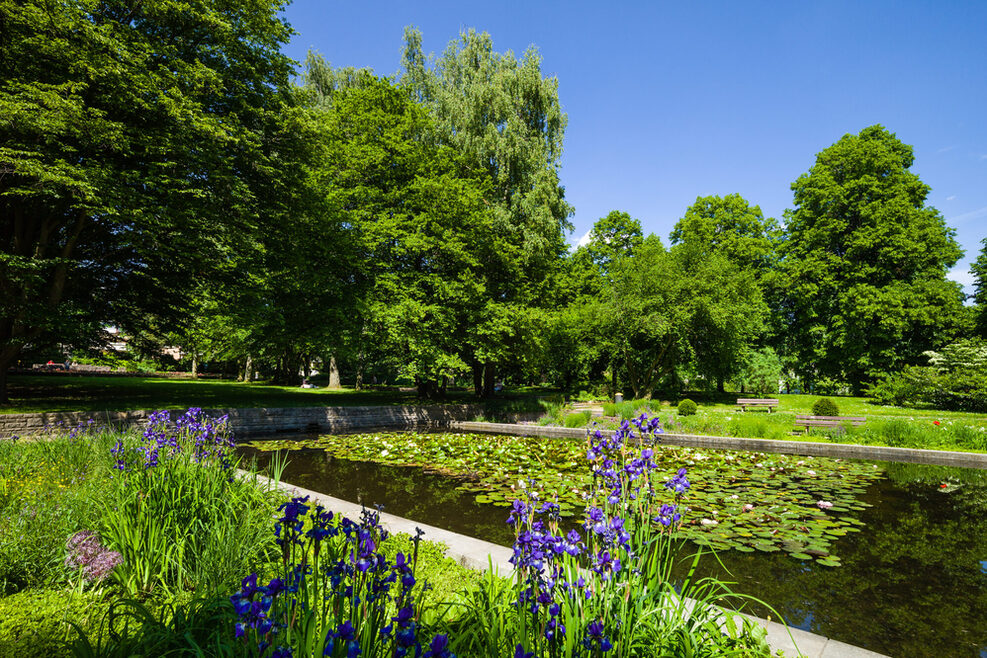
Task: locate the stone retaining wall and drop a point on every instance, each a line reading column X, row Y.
column 808, row 448
column 247, row 422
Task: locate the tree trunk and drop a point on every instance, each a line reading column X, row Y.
column 478, row 380
column 195, row 365
column 719, row 385
column 333, row 373
column 489, row 374
column 248, row 370
column 3, row 381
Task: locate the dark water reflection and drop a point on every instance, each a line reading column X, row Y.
column 913, row 582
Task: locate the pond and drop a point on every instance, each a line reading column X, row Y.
column 912, row 582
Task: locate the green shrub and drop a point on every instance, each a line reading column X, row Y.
column 687, row 407
column 825, row 407
column 609, row 409
column 578, row 419
column 34, row 623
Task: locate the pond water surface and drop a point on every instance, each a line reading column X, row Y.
column 912, row 583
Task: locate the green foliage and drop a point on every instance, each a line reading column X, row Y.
column 186, row 524
column 910, row 387
column 825, row 407
column 135, row 157
column 762, row 370
column 979, row 271
column 47, row 491
column 864, row 262
column 899, row 433
column 612, row 238
column 504, row 119
column 578, row 419
column 198, row 627
column 687, row 407
column 732, row 227
column 37, row 623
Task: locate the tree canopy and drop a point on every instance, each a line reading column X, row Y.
column 864, row 263
column 129, row 137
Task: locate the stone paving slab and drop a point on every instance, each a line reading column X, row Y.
column 480, row 554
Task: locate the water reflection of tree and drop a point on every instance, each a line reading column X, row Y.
column 911, row 583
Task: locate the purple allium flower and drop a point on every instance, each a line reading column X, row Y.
column 87, row 555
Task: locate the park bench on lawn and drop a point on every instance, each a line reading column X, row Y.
column 836, row 422
column 756, row 403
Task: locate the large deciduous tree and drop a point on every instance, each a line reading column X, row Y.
column 420, row 225
column 129, row 135
column 864, row 263
column 732, row 230
column 505, row 117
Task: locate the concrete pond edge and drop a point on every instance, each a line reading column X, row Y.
column 481, row 555
column 805, row 448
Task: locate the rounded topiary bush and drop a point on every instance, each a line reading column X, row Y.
column 825, row 407
column 687, row 407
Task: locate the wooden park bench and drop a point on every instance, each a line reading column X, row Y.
column 834, row 422
column 757, row 403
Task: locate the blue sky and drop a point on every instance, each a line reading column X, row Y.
column 670, row 101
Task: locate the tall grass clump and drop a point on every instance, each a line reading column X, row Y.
column 178, row 512
column 577, row 419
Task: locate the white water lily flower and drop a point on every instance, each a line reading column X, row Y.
column 734, row 497
column 810, row 473
column 823, row 504
column 748, row 507
column 709, row 522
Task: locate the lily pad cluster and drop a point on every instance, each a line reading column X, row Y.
column 746, row 501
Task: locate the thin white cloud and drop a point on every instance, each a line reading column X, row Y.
column 946, row 148
column 951, row 197
column 967, row 216
column 583, row 241
column 983, row 156
column 961, row 274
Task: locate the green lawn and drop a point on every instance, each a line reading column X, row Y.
column 848, row 406
column 39, row 393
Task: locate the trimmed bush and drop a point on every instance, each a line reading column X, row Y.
column 687, row 407
column 825, row 407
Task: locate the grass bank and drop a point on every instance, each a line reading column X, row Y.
column 94, row 394
column 885, row 426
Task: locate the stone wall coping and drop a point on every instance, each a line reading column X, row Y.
column 805, row 448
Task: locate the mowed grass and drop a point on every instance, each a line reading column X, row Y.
column 52, row 393
column 848, row 406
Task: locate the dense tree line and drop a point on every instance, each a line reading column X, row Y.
column 162, row 172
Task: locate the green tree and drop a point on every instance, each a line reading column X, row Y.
column 504, row 116
column 979, row 270
column 730, row 229
column 613, row 237
column 129, row 135
column 422, row 230
column 864, row 263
